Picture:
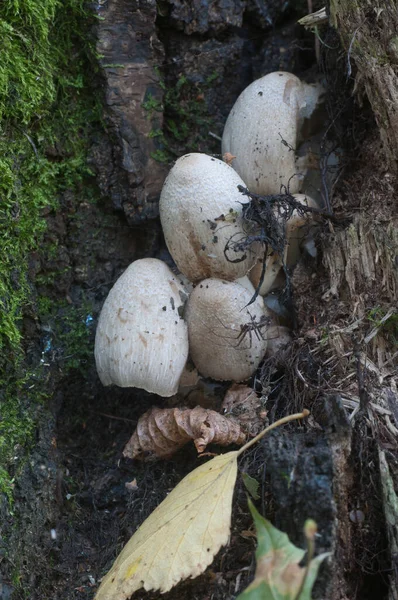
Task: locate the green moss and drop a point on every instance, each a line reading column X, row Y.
column 47, row 114
column 186, row 120
column 27, row 83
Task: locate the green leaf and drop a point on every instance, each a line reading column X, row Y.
column 251, row 485
column 278, row 574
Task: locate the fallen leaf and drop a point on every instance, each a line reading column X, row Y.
column 181, row 537
column 278, row 574
column 251, row 485
column 228, row 158
column 162, row 431
column 131, row 485
column 242, row 403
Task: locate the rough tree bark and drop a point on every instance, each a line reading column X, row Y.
column 362, row 259
column 368, row 30
column 130, row 51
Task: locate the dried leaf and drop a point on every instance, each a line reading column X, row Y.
column 278, row 574
column 162, row 431
column 242, row 403
column 228, row 158
column 180, row 538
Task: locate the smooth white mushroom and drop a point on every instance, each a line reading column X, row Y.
column 262, row 131
column 273, row 276
column 227, row 338
column 246, row 283
column 201, row 214
column 142, row 339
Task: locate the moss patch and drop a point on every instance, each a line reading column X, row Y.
column 47, row 114
column 186, row 120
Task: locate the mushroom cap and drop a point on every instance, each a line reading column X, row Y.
column 142, row 339
column 312, row 110
column 227, row 338
column 262, row 130
column 201, row 212
column 274, row 276
column 246, row 283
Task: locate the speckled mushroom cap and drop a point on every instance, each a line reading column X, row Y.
column 262, row 131
column 142, row 339
column 227, row 338
column 200, row 211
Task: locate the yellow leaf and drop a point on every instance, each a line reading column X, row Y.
column 180, row 538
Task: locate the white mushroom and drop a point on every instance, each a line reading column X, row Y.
column 141, row 338
column 262, row 131
column 227, row 338
column 273, row 276
column 201, row 213
column 297, row 228
column 246, row 283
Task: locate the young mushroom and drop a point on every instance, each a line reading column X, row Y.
column 142, row 339
column 227, row 336
column 262, row 131
column 297, row 229
column 201, row 215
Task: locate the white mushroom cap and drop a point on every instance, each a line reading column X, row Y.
column 246, row 283
column 312, row 99
column 274, row 276
column 142, row 339
column 262, row 131
column 227, row 338
column 201, row 211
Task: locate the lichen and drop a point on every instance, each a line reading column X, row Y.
column 46, row 115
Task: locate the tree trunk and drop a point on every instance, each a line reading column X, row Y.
column 368, row 30
column 361, row 261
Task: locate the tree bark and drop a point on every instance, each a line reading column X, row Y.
column 362, row 262
column 368, row 30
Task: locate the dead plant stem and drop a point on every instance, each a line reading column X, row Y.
column 294, row 417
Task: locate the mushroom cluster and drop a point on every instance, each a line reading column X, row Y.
column 151, row 321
